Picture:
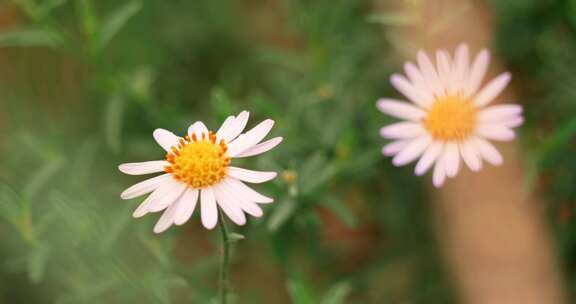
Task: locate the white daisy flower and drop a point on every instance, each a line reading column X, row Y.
column 197, row 169
column 448, row 118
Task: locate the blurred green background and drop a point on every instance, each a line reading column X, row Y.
column 83, row 83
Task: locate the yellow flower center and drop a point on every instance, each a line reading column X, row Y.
column 451, row 118
column 199, row 162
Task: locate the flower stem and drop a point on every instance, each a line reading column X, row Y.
column 225, row 264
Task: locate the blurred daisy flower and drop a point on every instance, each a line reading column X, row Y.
column 448, row 118
column 197, row 169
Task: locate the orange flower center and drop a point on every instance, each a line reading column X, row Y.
column 199, row 162
column 451, row 118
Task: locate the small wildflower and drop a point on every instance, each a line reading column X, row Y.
column 448, row 119
column 198, row 168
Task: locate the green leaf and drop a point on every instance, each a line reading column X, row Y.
column 42, row 176
column 114, row 23
column 10, row 204
column 339, row 208
column 235, row 237
column 113, row 118
column 283, row 211
column 31, row 38
column 300, row 293
column 37, row 262
column 337, row 294
column 394, row 19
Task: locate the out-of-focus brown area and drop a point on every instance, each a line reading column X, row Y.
column 492, row 231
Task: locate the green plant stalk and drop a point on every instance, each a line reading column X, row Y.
column 224, row 284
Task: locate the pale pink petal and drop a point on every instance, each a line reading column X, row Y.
column 235, row 128
column 250, row 138
column 412, row 151
column 229, row 206
column 186, row 205
column 420, row 84
column 499, row 113
column 169, row 198
column 407, row 89
column 439, row 175
column 226, row 125
column 452, row 159
column 487, row 151
column 197, row 128
column 161, row 191
column 167, row 219
column 261, row 147
column 143, row 167
column 165, row 139
column 444, row 68
column 241, row 201
column 402, row 130
column 470, row 156
column 395, row 147
column 477, row 72
column 495, row 132
column 513, row 123
column 429, row 73
column 246, row 192
column 145, row 187
column 492, row 89
column 208, row 208
column 400, row 109
column 462, row 63
column 250, row 176
column 428, row 158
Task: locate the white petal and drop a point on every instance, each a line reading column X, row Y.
column 186, row 205
column 412, row 151
column 452, row 159
column 470, row 156
column 400, row 109
column 395, row 147
column 143, row 167
column 513, row 123
column 246, row 192
column 477, row 72
column 402, row 130
column 492, row 89
column 428, row 158
column 169, row 198
column 163, row 189
column 408, row 89
column 235, row 128
column 250, row 138
column 439, row 175
column 241, row 201
column 261, row 147
column 462, row 62
column 487, row 151
column 499, row 113
column 165, row 139
column 420, row 84
column 229, row 206
column 145, row 187
column 208, row 209
column 429, row 73
column 250, row 176
column 495, row 132
column 197, row 128
column 166, row 220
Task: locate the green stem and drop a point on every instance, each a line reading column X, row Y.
column 225, row 265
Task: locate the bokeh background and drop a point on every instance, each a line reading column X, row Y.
column 83, row 83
